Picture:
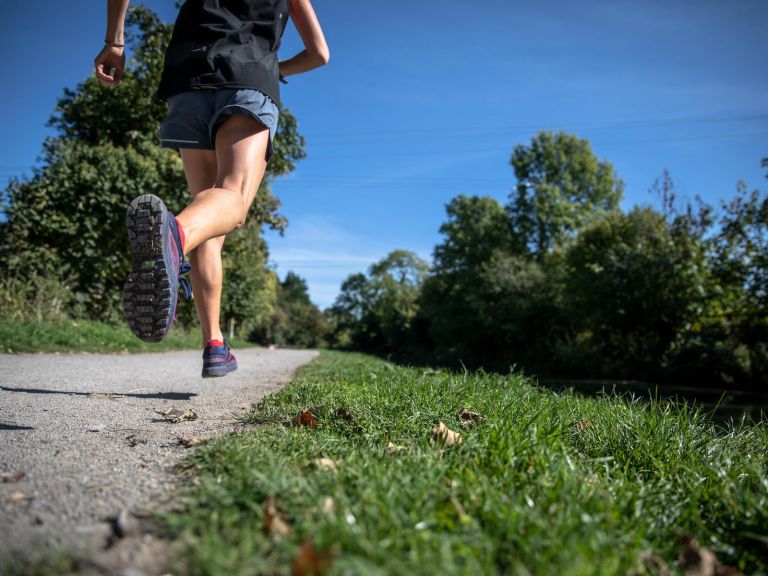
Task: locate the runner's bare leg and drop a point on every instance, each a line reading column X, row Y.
column 223, row 184
column 241, row 145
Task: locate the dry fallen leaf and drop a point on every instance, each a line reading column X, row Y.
column 16, row 497
column 189, row 442
column 312, row 562
column 274, row 525
column 134, row 440
column 305, row 418
column 443, row 436
column 174, row 415
column 329, row 505
column 467, row 418
column 696, row 560
column 654, row 564
column 393, row 448
column 12, row 478
column 325, row 464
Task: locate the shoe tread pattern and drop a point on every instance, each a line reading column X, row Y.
column 147, row 292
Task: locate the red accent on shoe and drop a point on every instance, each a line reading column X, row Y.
column 218, row 343
column 182, row 236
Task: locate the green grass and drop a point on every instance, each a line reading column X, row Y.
column 545, row 484
column 89, row 336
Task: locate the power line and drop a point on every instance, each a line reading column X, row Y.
column 467, row 130
column 468, row 149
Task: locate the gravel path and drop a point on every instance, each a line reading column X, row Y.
column 85, row 432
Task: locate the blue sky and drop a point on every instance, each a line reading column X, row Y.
column 423, row 101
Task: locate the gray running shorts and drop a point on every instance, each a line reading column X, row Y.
column 194, row 116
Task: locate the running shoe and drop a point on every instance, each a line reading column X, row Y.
column 152, row 290
column 218, row 360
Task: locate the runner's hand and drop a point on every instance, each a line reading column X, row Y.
column 110, row 64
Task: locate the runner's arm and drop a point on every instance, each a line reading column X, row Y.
column 110, row 62
column 315, row 53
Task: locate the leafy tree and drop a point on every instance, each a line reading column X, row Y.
column 740, row 252
column 458, row 312
column 561, row 188
column 396, row 282
column 250, row 291
column 376, row 312
column 477, row 226
column 350, row 312
column 634, row 285
column 296, row 320
column 66, row 222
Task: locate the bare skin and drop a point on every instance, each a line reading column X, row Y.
column 223, row 182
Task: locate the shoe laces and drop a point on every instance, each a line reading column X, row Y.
column 186, row 286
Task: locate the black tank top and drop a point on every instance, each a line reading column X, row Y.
column 225, row 44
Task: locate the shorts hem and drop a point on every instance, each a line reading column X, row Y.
column 180, row 145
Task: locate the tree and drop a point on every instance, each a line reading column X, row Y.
column 250, row 293
column 349, row 313
column 634, row 285
column 460, row 301
column 476, row 227
column 740, row 251
column 375, row 313
column 296, row 321
column 561, row 188
column 66, row 222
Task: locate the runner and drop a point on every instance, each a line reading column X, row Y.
column 221, row 81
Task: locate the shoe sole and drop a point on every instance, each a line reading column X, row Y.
column 147, row 295
column 219, row 371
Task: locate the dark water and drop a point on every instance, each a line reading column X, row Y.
column 722, row 404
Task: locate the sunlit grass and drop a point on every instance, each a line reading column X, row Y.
column 546, row 484
column 89, row 336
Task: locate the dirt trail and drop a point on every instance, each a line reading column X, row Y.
column 85, row 432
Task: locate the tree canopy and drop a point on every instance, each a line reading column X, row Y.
column 561, row 188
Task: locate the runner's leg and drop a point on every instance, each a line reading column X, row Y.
column 200, row 169
column 241, row 145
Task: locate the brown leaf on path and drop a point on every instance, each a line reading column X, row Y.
column 467, row 418
column 696, row 560
column 274, row 525
column 313, row 562
column 174, row 415
column 16, row 497
column 12, row 478
column 443, row 436
column 190, row 441
column 325, row 464
column 305, row 418
column 134, row 440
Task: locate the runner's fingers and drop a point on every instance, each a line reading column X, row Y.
column 107, row 74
